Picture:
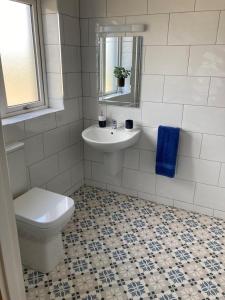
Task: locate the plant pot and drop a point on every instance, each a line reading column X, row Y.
column 121, row 82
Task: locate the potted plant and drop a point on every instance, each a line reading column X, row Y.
column 121, row 73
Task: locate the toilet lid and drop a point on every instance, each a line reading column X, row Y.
column 42, row 208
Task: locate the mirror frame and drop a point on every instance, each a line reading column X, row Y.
column 137, row 62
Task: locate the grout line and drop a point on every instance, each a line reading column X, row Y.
column 198, row 158
column 168, row 29
column 182, row 116
column 66, row 15
column 209, row 88
column 163, row 88
column 195, row 5
column 139, row 159
column 182, row 45
column 79, row 4
column 194, row 195
column 88, row 32
column 188, row 61
column 156, row 181
column 218, row 182
column 28, row 177
column 149, row 14
column 179, row 75
column 218, row 25
column 91, row 170
column 186, row 104
column 43, row 148
column 200, row 152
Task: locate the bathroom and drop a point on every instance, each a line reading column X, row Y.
column 129, row 232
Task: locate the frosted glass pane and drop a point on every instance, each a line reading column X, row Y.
column 111, row 61
column 17, row 53
column 127, row 57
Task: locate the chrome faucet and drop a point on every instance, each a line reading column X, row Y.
column 114, row 124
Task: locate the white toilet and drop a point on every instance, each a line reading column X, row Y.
column 41, row 215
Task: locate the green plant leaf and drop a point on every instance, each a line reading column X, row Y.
column 121, row 72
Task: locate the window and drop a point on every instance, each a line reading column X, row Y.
column 112, row 59
column 116, row 51
column 21, row 59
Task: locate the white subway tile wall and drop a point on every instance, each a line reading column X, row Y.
column 207, row 61
column 193, row 28
column 167, row 6
column 209, row 5
column 126, row 7
column 53, row 146
column 166, row 60
column 217, row 91
column 182, row 84
column 152, row 88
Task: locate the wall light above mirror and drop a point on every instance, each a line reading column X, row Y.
column 119, row 64
column 121, row 28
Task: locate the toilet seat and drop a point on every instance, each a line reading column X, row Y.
column 43, row 209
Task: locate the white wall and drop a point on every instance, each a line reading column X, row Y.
column 183, row 84
column 53, row 147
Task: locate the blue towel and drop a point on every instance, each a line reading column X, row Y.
column 167, row 147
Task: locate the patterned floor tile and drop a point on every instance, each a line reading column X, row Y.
column 121, row 247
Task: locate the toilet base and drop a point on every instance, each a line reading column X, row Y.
column 41, row 255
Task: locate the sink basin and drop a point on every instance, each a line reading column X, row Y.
column 111, row 142
column 108, row 139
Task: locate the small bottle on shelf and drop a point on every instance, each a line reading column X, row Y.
column 102, row 120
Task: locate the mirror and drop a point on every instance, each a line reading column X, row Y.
column 119, row 70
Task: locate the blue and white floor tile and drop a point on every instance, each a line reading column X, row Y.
column 121, row 247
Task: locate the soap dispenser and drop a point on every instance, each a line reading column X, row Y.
column 102, row 120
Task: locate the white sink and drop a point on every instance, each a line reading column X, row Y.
column 108, row 139
column 112, row 142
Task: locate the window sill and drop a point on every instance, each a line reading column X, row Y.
column 28, row 116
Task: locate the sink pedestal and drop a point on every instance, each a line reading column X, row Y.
column 113, row 162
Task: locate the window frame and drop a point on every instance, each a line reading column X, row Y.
column 42, row 103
